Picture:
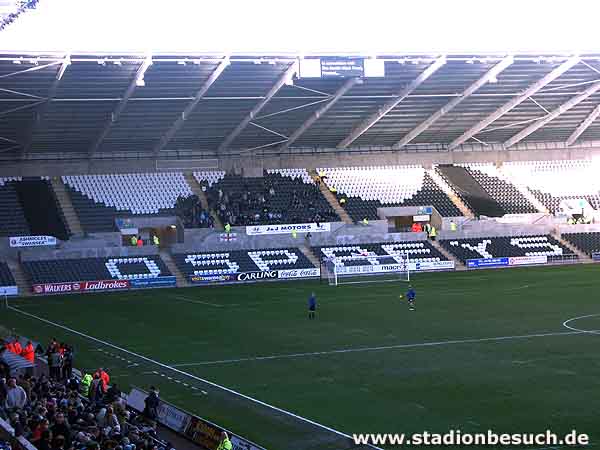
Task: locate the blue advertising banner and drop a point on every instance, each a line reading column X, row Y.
column 487, row 262
column 153, row 282
column 596, row 256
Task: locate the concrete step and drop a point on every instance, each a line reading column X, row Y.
column 181, row 280
column 64, row 200
column 457, row 263
column 197, row 190
column 307, row 251
column 331, row 199
column 21, row 278
column 583, row 257
column 445, row 187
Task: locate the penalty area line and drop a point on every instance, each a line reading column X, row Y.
column 380, row 348
column 194, row 377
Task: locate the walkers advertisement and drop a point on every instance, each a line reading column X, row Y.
column 80, row 286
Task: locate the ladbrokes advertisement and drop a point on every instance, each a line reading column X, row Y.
column 80, row 286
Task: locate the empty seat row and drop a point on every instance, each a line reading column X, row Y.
column 588, row 242
column 506, row 246
column 238, row 261
column 6, row 277
column 92, row 269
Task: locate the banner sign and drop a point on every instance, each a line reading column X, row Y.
column 507, row 261
column 168, row 415
column 241, row 277
column 596, row 256
column 526, row 260
column 169, row 281
column 430, row 265
column 261, row 230
column 223, row 278
column 385, row 268
column 256, row 276
column 9, row 290
column 31, row 241
column 208, row 435
column 342, row 67
column 487, row 262
column 421, row 218
column 298, row 273
column 80, row 286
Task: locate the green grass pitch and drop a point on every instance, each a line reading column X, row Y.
column 366, row 364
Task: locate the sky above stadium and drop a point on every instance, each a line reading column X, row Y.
column 307, row 26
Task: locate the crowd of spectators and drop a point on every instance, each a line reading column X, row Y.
column 271, row 202
column 190, row 211
column 61, row 412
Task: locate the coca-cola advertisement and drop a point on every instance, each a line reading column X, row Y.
column 79, row 286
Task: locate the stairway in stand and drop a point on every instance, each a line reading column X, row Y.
column 64, row 199
column 168, row 260
column 458, row 265
column 197, row 190
column 331, row 199
column 445, row 187
column 583, row 257
column 20, row 277
column 310, row 255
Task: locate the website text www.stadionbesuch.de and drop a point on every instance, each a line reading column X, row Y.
column 489, row 438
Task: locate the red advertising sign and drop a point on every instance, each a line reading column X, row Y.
column 79, row 286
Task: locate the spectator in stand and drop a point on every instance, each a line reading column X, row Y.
column 16, row 397
column 416, row 227
column 86, row 384
column 365, row 222
column 140, row 242
column 134, row 240
column 67, row 366
column 103, row 375
column 452, row 225
column 151, row 404
column 225, row 443
column 28, row 352
column 55, row 364
column 156, row 240
column 432, row 233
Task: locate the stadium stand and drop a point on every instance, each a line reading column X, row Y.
column 499, row 188
column 280, row 196
column 99, row 199
column 46, row 221
column 6, row 277
column 13, row 221
column 367, row 188
column 63, row 411
column 506, row 246
column 91, row 269
column 418, row 251
column 239, row 261
column 470, row 191
column 553, row 181
column 588, row 242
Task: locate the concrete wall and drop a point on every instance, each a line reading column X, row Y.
column 251, row 165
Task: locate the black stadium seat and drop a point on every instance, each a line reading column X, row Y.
column 589, row 243
column 507, row 246
column 91, row 269
column 6, row 277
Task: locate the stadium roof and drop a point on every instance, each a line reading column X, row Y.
column 79, row 106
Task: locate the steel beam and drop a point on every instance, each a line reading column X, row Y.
column 574, row 101
column 139, row 77
column 281, row 81
column 387, row 107
column 351, row 82
column 489, row 75
column 40, row 115
column 548, row 78
column 584, row 125
column 166, row 138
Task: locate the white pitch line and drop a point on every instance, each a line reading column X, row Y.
column 189, row 375
column 373, row 349
column 199, row 302
column 566, row 324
